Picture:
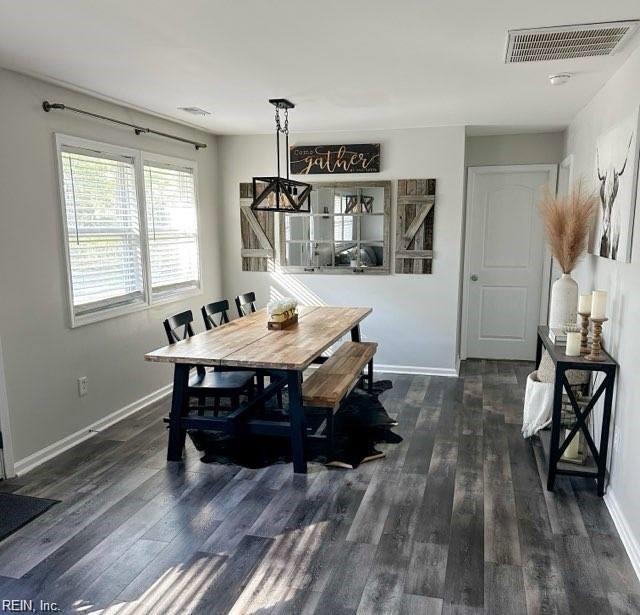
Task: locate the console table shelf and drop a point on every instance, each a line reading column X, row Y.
column 595, row 465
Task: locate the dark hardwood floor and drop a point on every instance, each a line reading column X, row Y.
column 454, row 520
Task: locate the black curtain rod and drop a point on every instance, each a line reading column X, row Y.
column 47, row 106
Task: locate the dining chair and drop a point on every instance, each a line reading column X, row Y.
column 215, row 314
column 246, row 304
column 209, row 383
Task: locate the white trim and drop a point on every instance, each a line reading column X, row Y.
column 448, row 372
column 35, row 459
column 472, row 172
column 5, row 425
column 626, row 535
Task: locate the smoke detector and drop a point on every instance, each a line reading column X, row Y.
column 568, row 42
column 559, row 78
column 194, row 110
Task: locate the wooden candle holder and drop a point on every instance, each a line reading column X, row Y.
column 584, row 332
column 596, row 340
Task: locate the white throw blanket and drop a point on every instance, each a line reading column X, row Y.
column 538, row 405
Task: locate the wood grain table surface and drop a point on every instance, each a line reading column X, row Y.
column 246, row 342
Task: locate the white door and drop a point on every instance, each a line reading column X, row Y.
column 504, row 261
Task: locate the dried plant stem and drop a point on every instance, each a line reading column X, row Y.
column 567, row 221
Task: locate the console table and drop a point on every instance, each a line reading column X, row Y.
column 596, row 463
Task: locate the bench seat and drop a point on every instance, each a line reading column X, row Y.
column 337, row 376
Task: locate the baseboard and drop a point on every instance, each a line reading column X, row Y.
column 412, row 369
column 628, row 539
column 53, row 450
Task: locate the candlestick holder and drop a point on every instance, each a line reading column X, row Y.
column 584, row 332
column 596, row 340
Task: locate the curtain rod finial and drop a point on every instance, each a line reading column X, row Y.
column 47, row 106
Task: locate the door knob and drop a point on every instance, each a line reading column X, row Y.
column 474, row 277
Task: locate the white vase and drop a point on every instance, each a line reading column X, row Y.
column 564, row 302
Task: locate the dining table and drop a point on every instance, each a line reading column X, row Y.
column 248, row 344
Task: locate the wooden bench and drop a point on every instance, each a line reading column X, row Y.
column 329, row 385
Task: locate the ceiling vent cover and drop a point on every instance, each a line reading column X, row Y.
column 567, row 42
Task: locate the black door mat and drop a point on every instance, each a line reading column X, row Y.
column 359, row 426
column 18, row 510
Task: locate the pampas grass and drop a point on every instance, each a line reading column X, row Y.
column 567, row 222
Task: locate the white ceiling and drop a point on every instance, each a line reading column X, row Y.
column 347, row 64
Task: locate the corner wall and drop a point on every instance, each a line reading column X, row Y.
column 414, row 316
column 43, row 357
column 619, row 97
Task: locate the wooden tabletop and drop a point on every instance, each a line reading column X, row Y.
column 246, row 342
column 558, row 354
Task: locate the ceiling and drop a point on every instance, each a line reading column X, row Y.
column 348, row 65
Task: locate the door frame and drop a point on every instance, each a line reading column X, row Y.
column 472, row 174
column 7, row 461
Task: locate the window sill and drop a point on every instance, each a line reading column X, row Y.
column 116, row 312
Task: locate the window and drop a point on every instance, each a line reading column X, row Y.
column 172, row 228
column 130, row 224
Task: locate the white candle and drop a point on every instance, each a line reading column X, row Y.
column 573, row 449
column 584, row 304
column 598, row 304
column 573, row 344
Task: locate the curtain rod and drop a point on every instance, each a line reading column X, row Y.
column 47, row 106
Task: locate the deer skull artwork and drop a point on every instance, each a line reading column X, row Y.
column 609, row 183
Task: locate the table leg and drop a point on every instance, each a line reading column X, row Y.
column 355, row 333
column 296, row 419
column 555, row 429
column 604, row 435
column 538, row 351
column 179, row 408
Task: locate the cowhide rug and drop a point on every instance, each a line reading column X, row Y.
column 359, row 426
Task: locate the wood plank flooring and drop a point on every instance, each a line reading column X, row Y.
column 455, row 519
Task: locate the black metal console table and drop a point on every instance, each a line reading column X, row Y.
column 596, row 464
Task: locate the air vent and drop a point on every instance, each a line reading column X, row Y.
column 194, row 110
column 567, row 42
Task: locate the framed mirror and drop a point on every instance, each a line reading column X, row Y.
column 346, row 231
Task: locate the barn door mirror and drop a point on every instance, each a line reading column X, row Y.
column 346, row 231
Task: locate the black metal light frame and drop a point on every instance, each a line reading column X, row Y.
column 290, row 196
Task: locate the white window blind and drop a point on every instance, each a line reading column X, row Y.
column 131, row 229
column 172, row 227
column 102, row 230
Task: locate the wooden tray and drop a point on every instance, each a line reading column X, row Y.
column 278, row 326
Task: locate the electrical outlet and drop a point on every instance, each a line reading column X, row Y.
column 83, row 386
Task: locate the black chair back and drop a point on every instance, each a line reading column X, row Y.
column 173, row 324
column 246, row 304
column 215, row 314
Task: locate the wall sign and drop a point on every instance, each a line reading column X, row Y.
column 331, row 159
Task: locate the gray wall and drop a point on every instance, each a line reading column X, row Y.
column 617, row 99
column 414, row 316
column 43, row 357
column 534, row 148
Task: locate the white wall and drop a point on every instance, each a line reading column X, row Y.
column 414, row 317
column 617, row 99
column 43, row 357
column 532, row 148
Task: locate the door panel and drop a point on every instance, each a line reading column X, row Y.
column 504, row 260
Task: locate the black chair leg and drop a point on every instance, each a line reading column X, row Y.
column 370, row 376
column 202, row 400
column 279, row 398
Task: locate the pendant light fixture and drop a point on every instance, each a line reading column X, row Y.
column 281, row 193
